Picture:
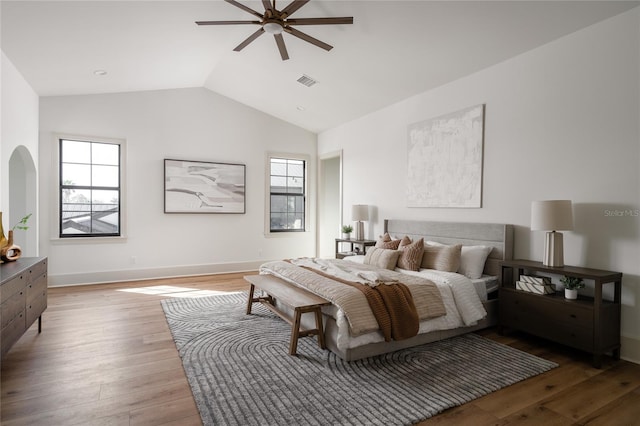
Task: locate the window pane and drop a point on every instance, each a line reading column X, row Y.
column 278, row 167
column 296, row 168
column 75, row 152
column 295, row 185
column 278, row 203
column 105, row 153
column 278, row 221
column 278, row 184
column 105, row 176
column 76, row 174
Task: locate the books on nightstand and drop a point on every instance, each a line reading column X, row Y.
column 533, row 284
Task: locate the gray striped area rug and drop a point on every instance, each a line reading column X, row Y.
column 241, row 374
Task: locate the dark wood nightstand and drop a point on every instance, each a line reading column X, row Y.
column 591, row 324
column 352, row 242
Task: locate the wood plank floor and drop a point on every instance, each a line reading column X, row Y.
column 106, row 357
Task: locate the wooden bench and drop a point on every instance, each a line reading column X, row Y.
column 300, row 300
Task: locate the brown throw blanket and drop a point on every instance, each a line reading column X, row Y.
column 391, row 304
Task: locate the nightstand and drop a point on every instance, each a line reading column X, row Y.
column 591, row 324
column 352, row 242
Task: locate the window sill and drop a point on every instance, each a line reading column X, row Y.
column 88, row 240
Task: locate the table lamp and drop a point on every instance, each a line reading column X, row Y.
column 552, row 216
column 359, row 212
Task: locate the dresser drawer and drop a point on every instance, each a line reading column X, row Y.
column 37, row 270
column 12, row 308
column 12, row 332
column 37, row 288
column 12, row 286
column 35, row 309
column 550, row 317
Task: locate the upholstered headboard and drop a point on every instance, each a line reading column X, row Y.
column 498, row 236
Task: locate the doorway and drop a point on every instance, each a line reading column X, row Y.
column 329, row 203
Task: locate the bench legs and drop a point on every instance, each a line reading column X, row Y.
column 296, row 331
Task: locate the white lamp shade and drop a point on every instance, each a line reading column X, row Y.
column 551, row 215
column 360, row 212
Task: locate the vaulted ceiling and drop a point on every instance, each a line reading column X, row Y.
column 393, row 50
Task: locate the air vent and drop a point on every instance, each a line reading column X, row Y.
column 307, row 81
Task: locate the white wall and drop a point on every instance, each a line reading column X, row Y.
column 191, row 124
column 561, row 122
column 19, row 132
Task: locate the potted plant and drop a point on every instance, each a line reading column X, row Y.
column 571, row 286
column 346, row 232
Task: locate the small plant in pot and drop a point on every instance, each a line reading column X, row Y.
column 346, row 231
column 571, row 286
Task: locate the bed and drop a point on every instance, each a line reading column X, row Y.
column 497, row 239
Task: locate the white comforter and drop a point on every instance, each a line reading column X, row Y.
column 461, row 301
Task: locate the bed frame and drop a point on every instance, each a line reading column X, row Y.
column 498, row 236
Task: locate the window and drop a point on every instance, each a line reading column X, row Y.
column 287, row 199
column 90, row 188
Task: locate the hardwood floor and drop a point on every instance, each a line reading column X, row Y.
column 106, row 357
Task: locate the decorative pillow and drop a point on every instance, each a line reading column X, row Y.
column 382, row 258
column 385, row 242
column 441, row 257
column 472, row 260
column 410, row 254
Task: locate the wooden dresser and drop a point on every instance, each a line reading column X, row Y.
column 590, row 323
column 23, row 298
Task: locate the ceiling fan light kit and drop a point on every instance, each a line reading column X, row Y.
column 275, row 22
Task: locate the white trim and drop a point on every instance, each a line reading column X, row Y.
column 55, row 193
column 103, row 277
column 267, row 211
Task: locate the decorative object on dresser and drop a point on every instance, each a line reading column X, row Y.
column 591, row 324
column 23, row 298
column 233, row 361
column 538, row 285
column 571, row 286
column 346, row 232
column 359, row 213
column 552, row 216
column 10, row 251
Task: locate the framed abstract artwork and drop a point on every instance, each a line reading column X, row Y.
column 444, row 160
column 203, row 187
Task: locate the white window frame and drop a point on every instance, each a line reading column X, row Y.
column 267, row 213
column 55, row 190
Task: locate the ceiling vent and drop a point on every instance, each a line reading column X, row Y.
column 307, row 81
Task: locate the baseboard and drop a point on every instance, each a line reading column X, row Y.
column 63, row 280
column 630, row 350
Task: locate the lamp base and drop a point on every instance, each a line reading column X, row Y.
column 553, row 249
column 359, row 230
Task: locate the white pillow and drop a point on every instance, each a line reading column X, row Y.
column 472, row 259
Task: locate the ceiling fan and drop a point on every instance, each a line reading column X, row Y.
column 275, row 22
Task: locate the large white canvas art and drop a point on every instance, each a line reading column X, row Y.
column 444, row 165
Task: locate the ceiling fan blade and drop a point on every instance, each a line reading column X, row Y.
column 245, row 8
column 249, row 40
column 320, row 21
column 267, row 5
column 308, row 38
column 281, row 47
column 293, row 6
column 227, row 22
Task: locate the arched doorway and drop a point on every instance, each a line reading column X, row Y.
column 23, row 199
